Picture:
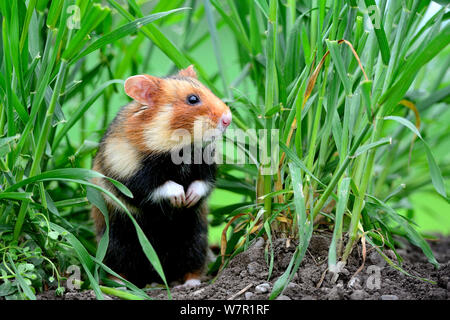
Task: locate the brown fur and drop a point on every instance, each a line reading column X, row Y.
column 99, row 221
column 193, row 275
column 163, row 96
column 152, row 95
column 145, row 126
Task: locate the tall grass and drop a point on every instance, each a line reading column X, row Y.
column 334, row 77
column 44, row 72
column 356, row 110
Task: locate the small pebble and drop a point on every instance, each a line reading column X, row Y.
column 292, row 285
column 345, row 271
column 354, row 283
column 282, row 297
column 198, row 292
column 259, row 243
column 248, row 295
column 262, row 288
column 389, row 297
column 376, row 259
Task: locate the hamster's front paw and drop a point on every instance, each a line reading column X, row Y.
column 171, row 191
column 195, row 192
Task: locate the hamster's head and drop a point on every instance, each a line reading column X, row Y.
column 172, row 112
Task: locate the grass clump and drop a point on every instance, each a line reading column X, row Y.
column 334, row 77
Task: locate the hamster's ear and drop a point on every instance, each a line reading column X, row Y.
column 188, row 72
column 141, row 88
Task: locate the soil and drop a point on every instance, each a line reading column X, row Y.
column 70, row 295
column 246, row 277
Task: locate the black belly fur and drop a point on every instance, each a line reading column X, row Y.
column 178, row 235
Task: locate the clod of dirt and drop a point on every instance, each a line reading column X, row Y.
column 262, row 288
column 336, row 293
column 248, row 295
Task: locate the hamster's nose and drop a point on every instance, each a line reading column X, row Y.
column 226, row 119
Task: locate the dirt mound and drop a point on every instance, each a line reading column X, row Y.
column 246, row 277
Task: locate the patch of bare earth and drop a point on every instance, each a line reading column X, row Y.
column 246, row 277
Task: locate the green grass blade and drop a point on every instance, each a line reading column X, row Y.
column 343, row 193
column 371, row 145
column 92, row 18
column 68, row 174
column 84, row 106
column 85, row 259
column 117, row 34
column 262, row 4
column 435, row 172
column 16, row 195
column 379, row 32
column 216, row 44
column 412, row 234
column 412, row 67
column 333, row 46
column 305, row 229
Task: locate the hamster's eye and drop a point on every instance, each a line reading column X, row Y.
column 193, row 99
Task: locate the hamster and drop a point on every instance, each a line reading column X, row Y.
column 169, row 198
